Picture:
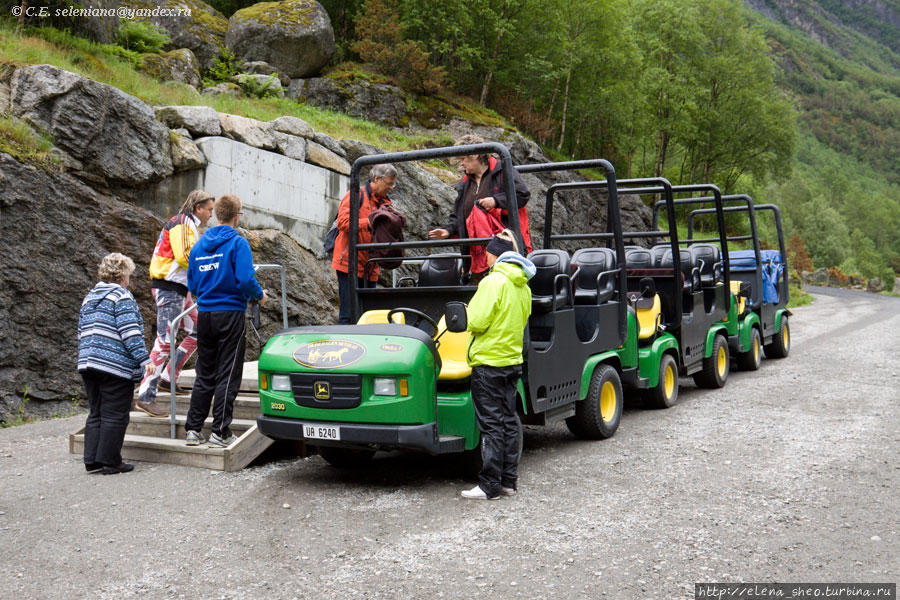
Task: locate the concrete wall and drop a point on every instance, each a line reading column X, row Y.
column 277, row 192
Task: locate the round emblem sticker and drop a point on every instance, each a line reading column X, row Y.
column 329, row 354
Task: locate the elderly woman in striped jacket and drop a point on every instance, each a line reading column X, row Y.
column 111, row 359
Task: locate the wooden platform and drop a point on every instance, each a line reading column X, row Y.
column 148, row 438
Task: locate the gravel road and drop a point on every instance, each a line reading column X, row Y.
column 789, row 474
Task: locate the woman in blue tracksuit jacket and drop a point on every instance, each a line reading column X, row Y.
column 222, row 278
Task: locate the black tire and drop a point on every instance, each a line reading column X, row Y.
column 346, row 458
column 597, row 416
column 665, row 394
column 472, row 458
column 780, row 345
column 715, row 368
column 750, row 360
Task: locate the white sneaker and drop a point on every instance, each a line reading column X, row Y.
column 505, row 491
column 476, row 493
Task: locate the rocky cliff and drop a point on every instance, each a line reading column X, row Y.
column 56, row 223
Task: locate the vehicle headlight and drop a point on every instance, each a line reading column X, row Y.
column 281, row 383
column 385, row 386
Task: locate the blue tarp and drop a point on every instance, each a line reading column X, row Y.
column 772, row 271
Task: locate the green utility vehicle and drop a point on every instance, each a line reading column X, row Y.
column 760, row 282
column 399, row 379
column 681, row 304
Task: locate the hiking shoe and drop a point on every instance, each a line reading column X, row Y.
column 507, row 491
column 476, row 493
column 122, row 468
column 193, row 438
column 163, row 386
column 222, row 441
column 151, row 408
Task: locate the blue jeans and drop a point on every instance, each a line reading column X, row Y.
column 344, row 317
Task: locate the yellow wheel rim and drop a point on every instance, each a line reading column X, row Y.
column 787, row 337
column 607, row 401
column 755, row 350
column 721, row 362
column 669, row 381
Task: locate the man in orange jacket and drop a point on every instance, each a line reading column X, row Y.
column 373, row 194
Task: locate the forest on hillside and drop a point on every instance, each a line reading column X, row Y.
column 693, row 90
column 793, row 102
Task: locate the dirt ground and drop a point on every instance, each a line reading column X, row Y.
column 789, row 474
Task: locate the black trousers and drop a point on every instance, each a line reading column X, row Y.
column 494, row 396
column 220, row 367
column 109, row 398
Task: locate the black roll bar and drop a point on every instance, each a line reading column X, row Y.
column 658, row 185
column 613, row 216
column 411, row 155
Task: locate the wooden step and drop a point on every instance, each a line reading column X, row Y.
column 164, row 450
column 249, row 379
column 246, row 406
column 144, row 424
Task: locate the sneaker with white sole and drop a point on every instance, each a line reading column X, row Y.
column 194, row 438
column 507, row 491
column 219, row 441
column 476, row 493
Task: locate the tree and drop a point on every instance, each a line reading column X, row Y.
column 382, row 44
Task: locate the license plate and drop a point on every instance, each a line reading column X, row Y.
column 321, row 432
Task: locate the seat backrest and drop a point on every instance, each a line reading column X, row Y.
column 705, row 256
column 658, row 251
column 638, row 258
column 591, row 262
column 379, row 317
column 453, row 349
column 549, row 263
column 687, row 261
column 444, row 271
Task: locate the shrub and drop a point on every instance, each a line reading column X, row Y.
column 224, row 68
column 258, row 87
column 381, row 44
column 142, row 36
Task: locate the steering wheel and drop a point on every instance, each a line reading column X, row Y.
column 419, row 318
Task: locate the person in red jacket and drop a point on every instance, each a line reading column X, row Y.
column 483, row 185
column 373, row 195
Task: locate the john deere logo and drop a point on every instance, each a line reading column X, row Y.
column 322, row 390
column 329, row 354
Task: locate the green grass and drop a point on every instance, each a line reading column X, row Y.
column 26, row 145
column 799, row 297
column 117, row 67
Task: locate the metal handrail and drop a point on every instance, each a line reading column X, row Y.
column 174, row 338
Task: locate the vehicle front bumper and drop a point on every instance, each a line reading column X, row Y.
column 415, row 437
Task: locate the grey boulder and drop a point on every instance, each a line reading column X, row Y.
column 175, row 65
column 294, row 36
column 190, row 24
column 357, row 97
column 113, row 135
column 199, row 120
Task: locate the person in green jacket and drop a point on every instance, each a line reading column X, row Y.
column 497, row 316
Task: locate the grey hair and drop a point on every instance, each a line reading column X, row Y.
column 115, row 267
column 384, row 171
column 472, row 138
